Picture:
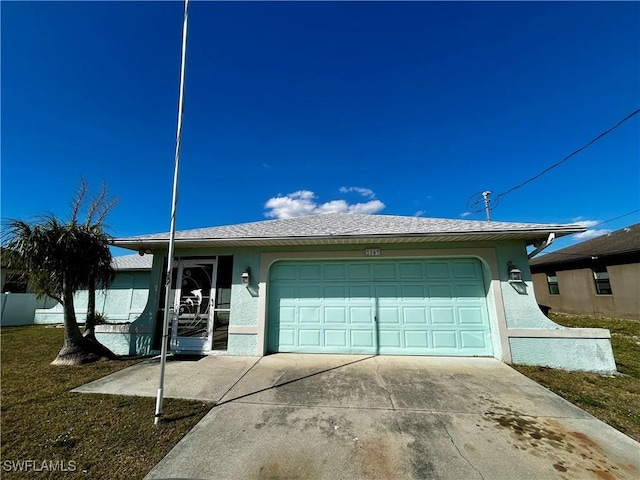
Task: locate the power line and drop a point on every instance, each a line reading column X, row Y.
column 606, row 132
column 616, row 218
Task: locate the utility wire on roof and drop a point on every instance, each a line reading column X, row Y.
column 594, row 140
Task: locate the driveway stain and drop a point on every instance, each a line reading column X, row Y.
column 301, row 467
column 570, row 452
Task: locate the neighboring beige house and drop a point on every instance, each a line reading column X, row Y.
column 600, row 276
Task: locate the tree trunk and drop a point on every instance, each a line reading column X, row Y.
column 90, row 323
column 78, row 349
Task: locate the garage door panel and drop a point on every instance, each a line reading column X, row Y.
column 470, row 316
column 416, row 339
column 310, row 272
column 411, row 271
column 284, row 272
column 335, row 315
column 416, row 307
column 473, row 339
column 442, row 315
column 390, row 339
column 336, row 291
column 384, row 271
column 362, row 338
column 309, row 314
column 440, row 291
column 465, row 269
column 361, row 291
column 414, row 315
column 287, row 314
column 361, row 315
column 336, row 338
column 469, row 291
column 444, row 339
column 359, row 271
column 310, row 292
column 309, row 338
column 388, row 316
column 411, row 291
column 438, row 270
column 287, row 337
column 335, row 272
column 383, row 292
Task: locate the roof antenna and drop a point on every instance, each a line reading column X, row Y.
column 485, row 195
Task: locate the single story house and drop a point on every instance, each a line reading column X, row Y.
column 122, row 302
column 361, row 284
column 600, row 276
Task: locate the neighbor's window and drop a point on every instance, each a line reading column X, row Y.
column 552, row 281
column 15, row 283
column 601, row 277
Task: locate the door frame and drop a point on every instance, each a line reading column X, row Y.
column 189, row 344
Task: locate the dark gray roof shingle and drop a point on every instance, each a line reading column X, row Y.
column 625, row 240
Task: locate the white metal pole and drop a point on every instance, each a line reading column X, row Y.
column 485, row 195
column 172, row 234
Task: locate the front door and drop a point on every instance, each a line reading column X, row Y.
column 192, row 327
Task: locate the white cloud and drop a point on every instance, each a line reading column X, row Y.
column 465, row 214
column 303, row 202
column 589, row 234
column 584, row 223
column 419, row 213
column 365, row 192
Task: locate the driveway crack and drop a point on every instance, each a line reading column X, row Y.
column 383, row 385
column 456, row 447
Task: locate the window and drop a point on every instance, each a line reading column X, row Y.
column 15, row 283
column 601, row 277
column 552, row 281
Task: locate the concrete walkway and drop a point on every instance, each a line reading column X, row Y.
column 292, row 416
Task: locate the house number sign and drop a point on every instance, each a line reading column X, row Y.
column 371, row 252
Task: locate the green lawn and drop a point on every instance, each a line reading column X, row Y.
column 613, row 399
column 113, row 437
column 97, row 436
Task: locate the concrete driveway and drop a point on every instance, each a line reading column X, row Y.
column 332, row 417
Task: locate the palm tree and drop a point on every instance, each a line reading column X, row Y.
column 59, row 259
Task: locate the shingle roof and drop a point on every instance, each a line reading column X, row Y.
column 133, row 262
column 341, row 228
column 623, row 241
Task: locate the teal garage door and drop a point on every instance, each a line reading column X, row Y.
column 408, row 307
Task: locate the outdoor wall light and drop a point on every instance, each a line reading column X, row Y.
column 246, row 277
column 515, row 275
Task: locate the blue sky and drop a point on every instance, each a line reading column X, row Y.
column 299, row 107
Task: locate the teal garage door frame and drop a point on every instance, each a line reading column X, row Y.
column 388, row 307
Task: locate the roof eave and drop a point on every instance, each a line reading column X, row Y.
column 529, row 235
